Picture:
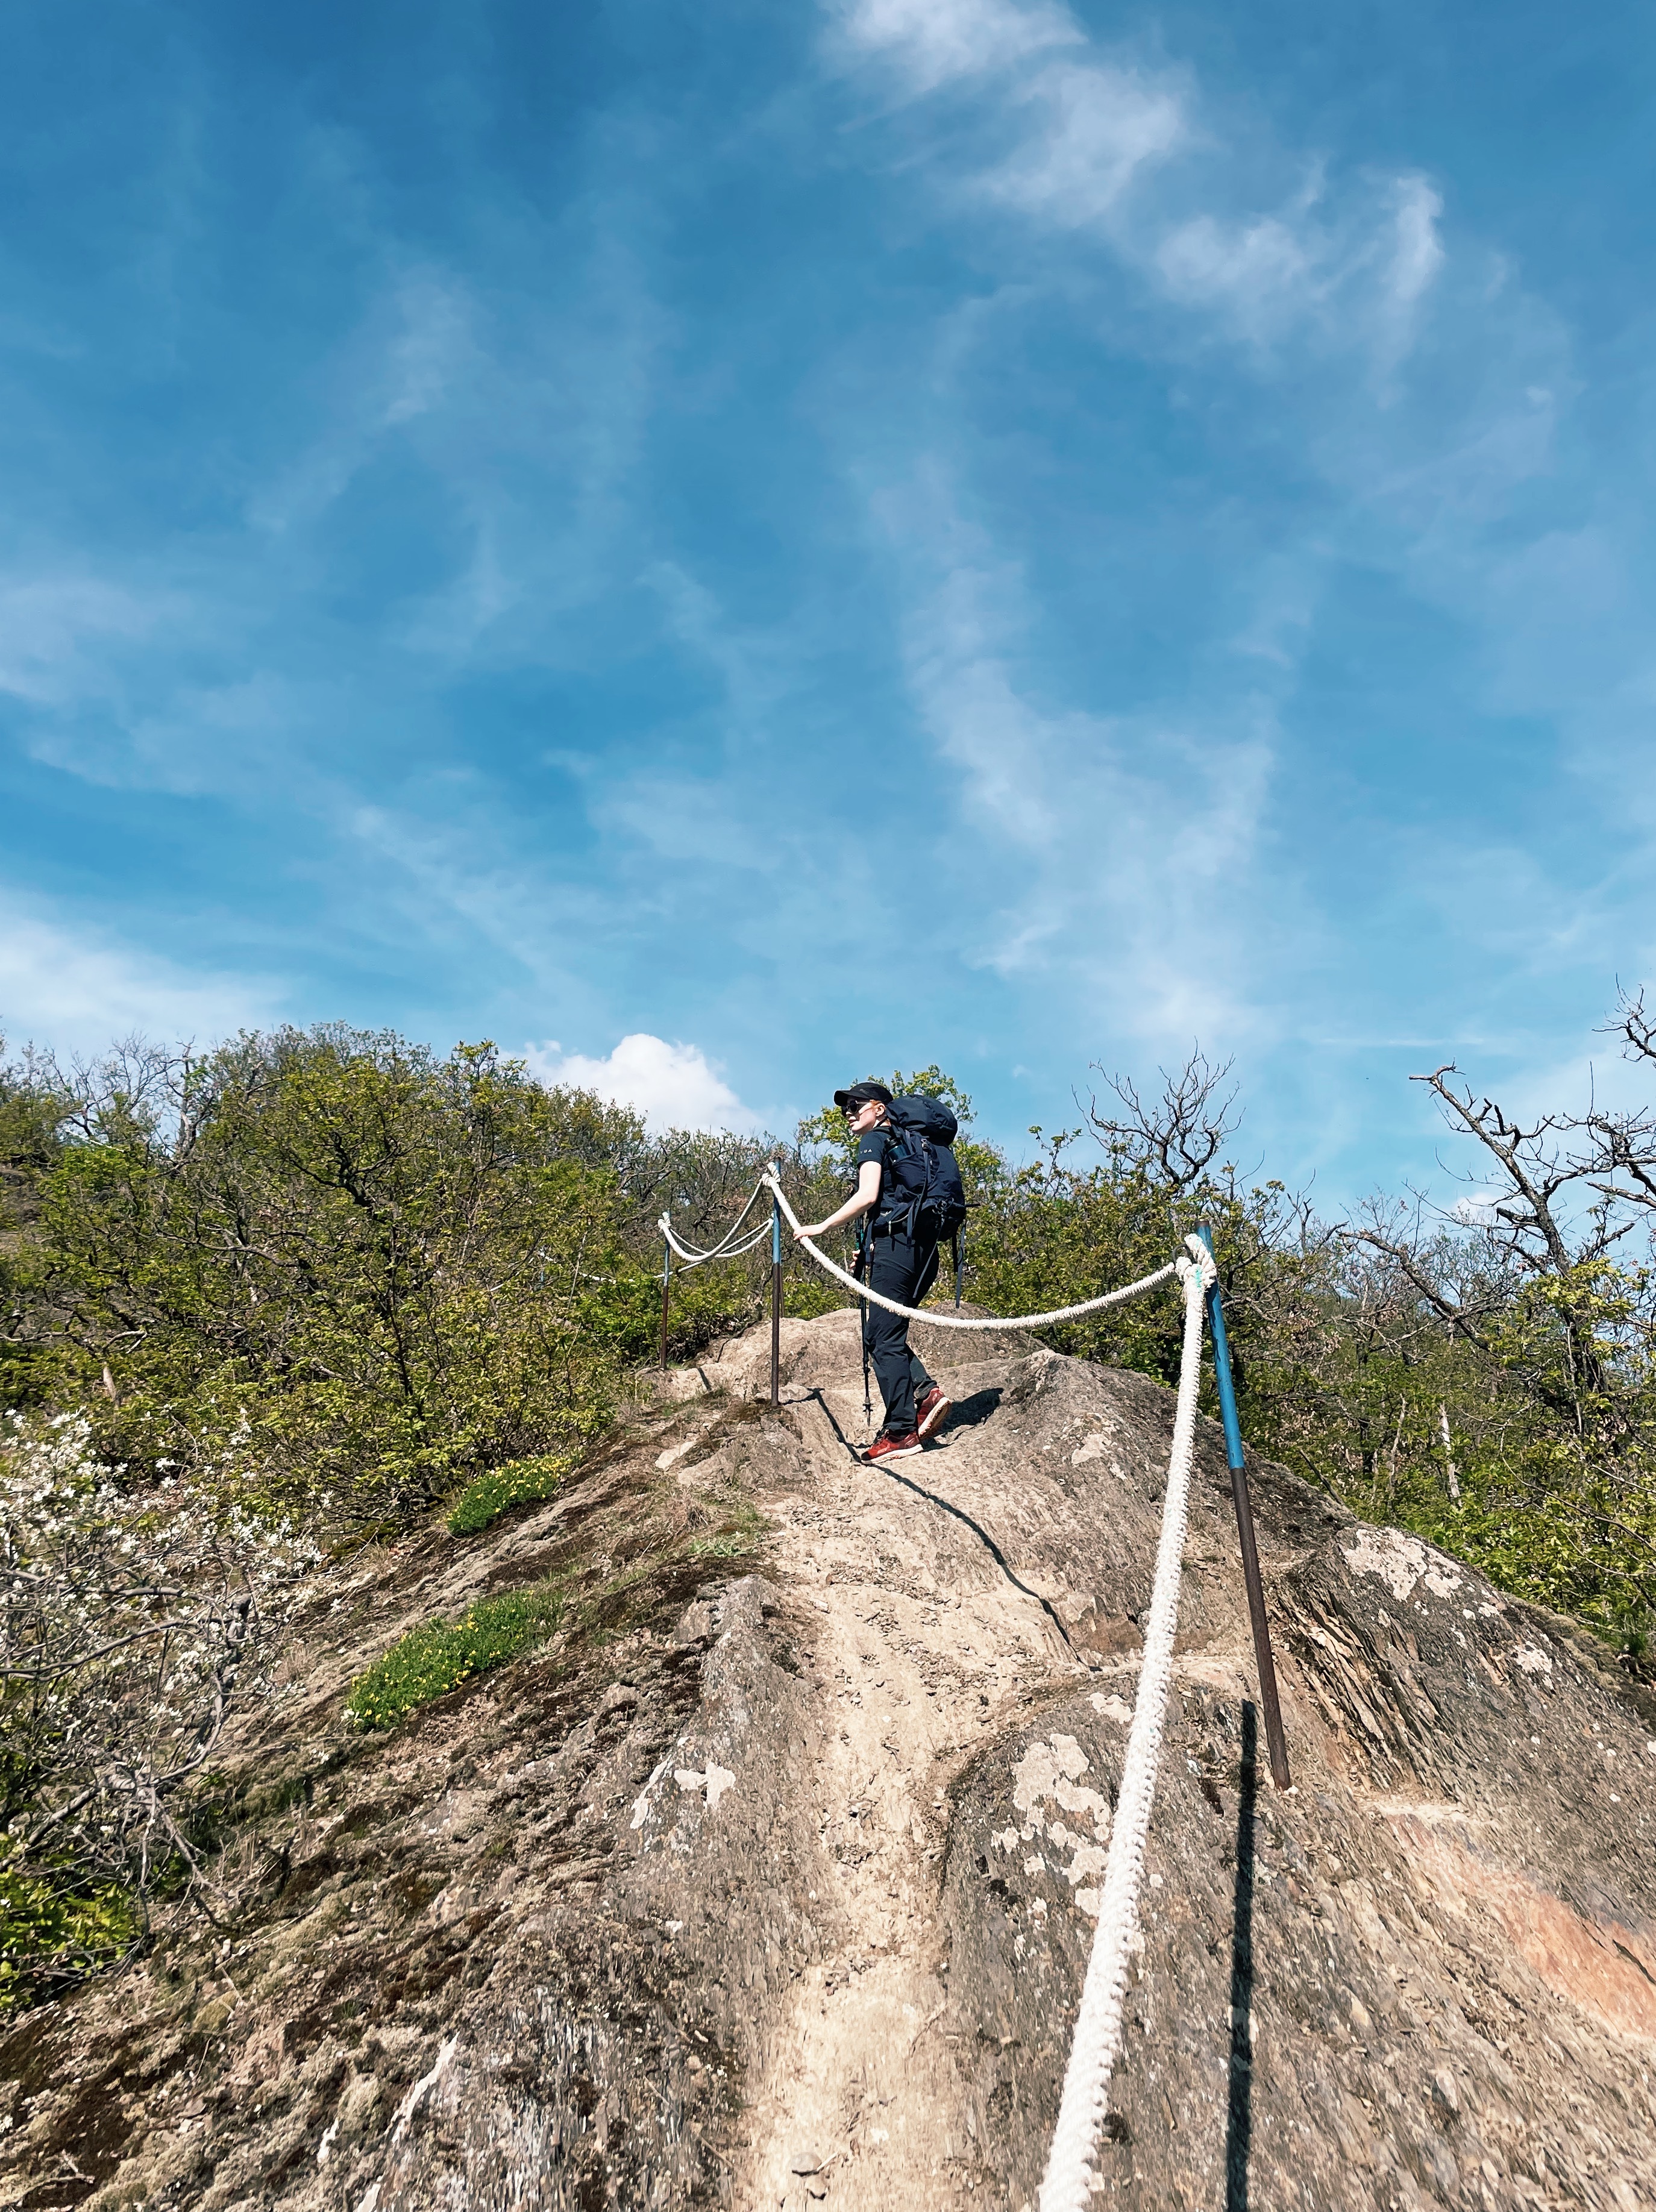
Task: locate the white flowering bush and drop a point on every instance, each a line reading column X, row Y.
column 130, row 1619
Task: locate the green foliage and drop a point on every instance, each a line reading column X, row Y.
column 365, row 1265
column 32, row 1111
column 129, row 1619
column 55, row 1929
column 430, row 1662
column 1490, row 1446
column 368, row 1272
column 808, row 1293
column 520, row 1482
column 1067, row 1228
column 371, row 1280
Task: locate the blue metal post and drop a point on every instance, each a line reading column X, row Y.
column 1276, row 1742
column 776, row 1300
column 666, row 1290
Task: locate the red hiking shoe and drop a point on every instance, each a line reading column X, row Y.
column 933, row 1410
column 884, row 1448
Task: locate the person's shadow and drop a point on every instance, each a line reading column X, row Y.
column 1238, row 2124
column 976, row 1410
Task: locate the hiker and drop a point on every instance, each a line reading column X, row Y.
column 909, row 1188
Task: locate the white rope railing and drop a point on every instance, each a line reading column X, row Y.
column 1070, row 2177
column 966, row 1320
column 692, row 1258
column 727, row 1247
column 1092, row 2054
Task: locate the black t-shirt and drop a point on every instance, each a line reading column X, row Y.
column 875, row 1145
column 871, row 1145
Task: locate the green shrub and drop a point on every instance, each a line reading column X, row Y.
column 55, row 1929
column 427, row 1662
column 366, row 1265
column 520, row 1482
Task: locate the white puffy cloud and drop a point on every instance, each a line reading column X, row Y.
column 674, row 1086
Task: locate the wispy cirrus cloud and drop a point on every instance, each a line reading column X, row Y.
column 413, row 353
column 1080, row 142
column 1156, row 867
column 931, row 42
column 1086, row 132
column 590, row 547
column 58, row 630
column 1111, row 853
column 77, row 988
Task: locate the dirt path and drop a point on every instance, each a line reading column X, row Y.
column 925, row 1642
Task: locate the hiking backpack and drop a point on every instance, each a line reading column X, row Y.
column 923, row 1181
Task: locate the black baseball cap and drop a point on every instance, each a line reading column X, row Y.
column 849, row 1101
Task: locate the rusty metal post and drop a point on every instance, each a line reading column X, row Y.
column 776, row 1300
column 1275, row 1741
column 667, row 1288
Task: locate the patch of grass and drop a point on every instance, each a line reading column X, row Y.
column 737, row 1535
column 520, row 1482
column 427, row 1662
column 728, row 1546
column 591, row 1609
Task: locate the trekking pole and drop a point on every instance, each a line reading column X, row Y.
column 776, row 1295
column 865, row 1259
column 666, row 1286
column 1266, row 1664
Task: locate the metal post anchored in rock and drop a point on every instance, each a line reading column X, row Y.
column 775, row 1296
column 1275, row 1741
column 667, row 1291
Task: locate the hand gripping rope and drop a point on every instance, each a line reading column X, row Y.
column 964, row 1321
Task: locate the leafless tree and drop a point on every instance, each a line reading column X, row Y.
column 1174, row 1138
column 1568, row 1191
column 1622, row 1158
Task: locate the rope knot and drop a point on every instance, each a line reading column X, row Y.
column 1201, row 1262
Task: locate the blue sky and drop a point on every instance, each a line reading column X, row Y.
column 804, row 538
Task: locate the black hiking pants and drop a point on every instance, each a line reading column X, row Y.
column 905, row 1270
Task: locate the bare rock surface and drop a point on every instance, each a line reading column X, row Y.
column 771, row 1881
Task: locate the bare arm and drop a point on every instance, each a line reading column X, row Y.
column 866, row 1195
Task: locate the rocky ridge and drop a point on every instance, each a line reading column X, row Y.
column 769, row 1881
